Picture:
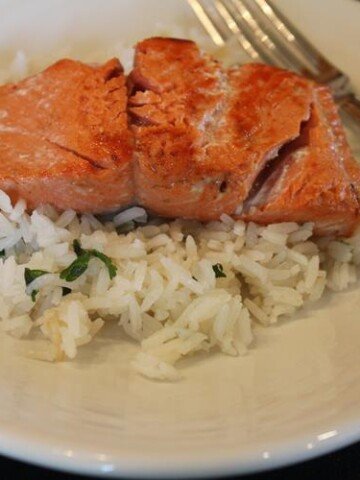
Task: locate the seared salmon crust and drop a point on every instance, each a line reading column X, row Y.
column 254, row 142
column 64, row 138
column 181, row 136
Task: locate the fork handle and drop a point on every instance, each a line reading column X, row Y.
column 351, row 105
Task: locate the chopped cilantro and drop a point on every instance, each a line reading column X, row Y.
column 106, row 260
column 218, row 270
column 31, row 275
column 76, row 268
column 80, row 265
column 33, row 295
column 77, row 248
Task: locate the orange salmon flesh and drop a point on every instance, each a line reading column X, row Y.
column 181, row 136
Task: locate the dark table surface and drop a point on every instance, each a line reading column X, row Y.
column 341, row 465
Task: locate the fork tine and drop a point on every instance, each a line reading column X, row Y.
column 207, row 22
column 234, row 29
column 313, row 63
column 245, row 39
column 256, row 36
column 281, row 38
column 256, row 25
column 266, row 35
column 208, row 17
column 238, row 21
column 289, row 31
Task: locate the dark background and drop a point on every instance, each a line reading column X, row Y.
column 341, row 465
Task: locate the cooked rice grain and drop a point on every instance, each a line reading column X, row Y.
column 165, row 294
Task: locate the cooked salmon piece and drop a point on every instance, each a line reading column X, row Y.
column 343, row 150
column 314, row 178
column 64, row 138
column 193, row 140
column 203, row 134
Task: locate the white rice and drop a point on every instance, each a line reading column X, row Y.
column 165, row 294
column 131, row 214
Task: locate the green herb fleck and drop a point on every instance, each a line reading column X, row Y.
column 194, row 278
column 66, row 291
column 218, row 270
column 80, row 265
column 2, row 253
column 126, row 227
column 77, row 248
column 33, row 295
column 76, row 268
column 107, row 261
column 31, row 275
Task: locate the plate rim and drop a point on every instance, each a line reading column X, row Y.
column 47, row 451
column 42, row 453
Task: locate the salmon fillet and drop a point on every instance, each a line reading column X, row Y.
column 314, row 179
column 203, row 134
column 345, row 156
column 64, row 138
column 193, row 140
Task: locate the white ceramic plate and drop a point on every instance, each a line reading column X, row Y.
column 296, row 395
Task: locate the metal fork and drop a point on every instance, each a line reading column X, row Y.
column 266, row 35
